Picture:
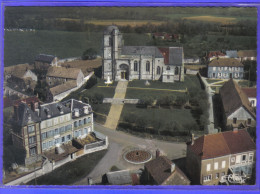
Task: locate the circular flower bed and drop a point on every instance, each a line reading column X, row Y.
column 137, row 156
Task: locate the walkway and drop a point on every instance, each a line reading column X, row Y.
column 210, row 128
column 116, row 109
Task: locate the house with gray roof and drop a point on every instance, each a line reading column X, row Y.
column 44, row 59
column 139, row 62
column 57, row 131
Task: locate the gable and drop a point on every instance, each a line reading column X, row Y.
column 241, row 114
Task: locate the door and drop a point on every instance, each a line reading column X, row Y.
column 122, row 75
column 230, row 75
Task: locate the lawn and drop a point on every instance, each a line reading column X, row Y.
column 70, row 172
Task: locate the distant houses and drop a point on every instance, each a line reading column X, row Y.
column 225, row 69
column 211, row 159
column 244, row 55
column 237, row 110
column 43, row 59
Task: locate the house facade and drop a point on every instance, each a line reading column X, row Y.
column 60, row 75
column 225, row 68
column 55, row 126
column 244, row 55
column 139, row 62
column 236, row 109
column 212, row 158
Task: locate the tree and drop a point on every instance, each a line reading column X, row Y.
column 12, row 154
column 89, row 54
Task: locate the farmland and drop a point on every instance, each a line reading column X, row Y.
column 223, row 20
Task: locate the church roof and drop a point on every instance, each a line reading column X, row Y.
column 142, row 50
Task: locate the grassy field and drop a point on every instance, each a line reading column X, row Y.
column 223, row 20
column 131, row 23
column 22, row 47
column 70, row 172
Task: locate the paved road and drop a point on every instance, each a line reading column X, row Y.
column 120, row 142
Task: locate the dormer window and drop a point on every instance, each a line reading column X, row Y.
column 76, row 112
column 60, row 109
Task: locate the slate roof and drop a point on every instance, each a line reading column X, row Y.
column 109, row 29
column 172, row 55
column 232, row 54
column 73, row 104
column 233, row 98
column 63, row 72
column 53, row 109
column 247, row 53
column 160, row 170
column 225, row 62
column 44, row 58
column 250, row 92
column 23, row 115
column 122, row 177
column 63, row 87
column 141, row 50
column 221, row 144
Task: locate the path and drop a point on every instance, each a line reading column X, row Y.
column 210, row 128
column 120, row 142
column 116, row 109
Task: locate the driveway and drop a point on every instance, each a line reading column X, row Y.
column 120, row 142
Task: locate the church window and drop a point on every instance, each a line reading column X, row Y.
column 168, row 68
column 176, row 71
column 110, row 41
column 135, row 66
column 158, row 70
column 147, row 65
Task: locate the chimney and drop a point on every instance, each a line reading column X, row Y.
column 235, row 130
column 172, row 167
column 157, row 153
column 192, row 138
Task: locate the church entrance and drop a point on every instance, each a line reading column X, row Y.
column 124, row 71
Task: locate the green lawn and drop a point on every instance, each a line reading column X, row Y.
column 72, row 171
column 181, row 116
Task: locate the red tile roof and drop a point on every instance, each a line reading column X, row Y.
column 28, row 100
column 221, row 144
column 250, row 92
column 165, row 53
column 215, row 54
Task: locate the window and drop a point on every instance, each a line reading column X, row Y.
column 208, row 167
column 207, row 178
column 63, row 139
column 89, row 119
column 61, row 119
column 238, row 159
column 76, row 134
column 80, row 122
column 219, row 74
column 176, row 71
column 68, row 137
column 56, row 131
column 225, row 74
column 216, row 166
column 85, row 120
column 135, row 66
column 148, row 66
column 32, row 140
column 44, row 136
column 76, row 124
column 251, row 157
column 249, row 121
column 55, row 121
column 68, row 117
column 237, row 68
column 168, row 68
column 225, row 68
column 233, row 159
column 44, row 146
column 62, row 130
column 214, row 68
column 32, row 151
column 223, row 164
column 31, row 129
column 213, row 75
column 217, row 175
column 230, row 68
column 49, row 123
column 50, row 143
column 168, row 77
column 219, row 68
column 244, row 158
column 234, row 120
column 158, row 70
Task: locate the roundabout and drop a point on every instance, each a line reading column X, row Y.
column 137, row 156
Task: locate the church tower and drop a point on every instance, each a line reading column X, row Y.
column 112, row 43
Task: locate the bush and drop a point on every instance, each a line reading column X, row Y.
column 13, row 154
column 89, row 54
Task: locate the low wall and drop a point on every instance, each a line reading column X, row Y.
column 120, row 101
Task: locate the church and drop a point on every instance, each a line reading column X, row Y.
column 139, row 62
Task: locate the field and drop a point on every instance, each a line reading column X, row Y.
column 223, row 20
column 22, row 47
column 131, row 23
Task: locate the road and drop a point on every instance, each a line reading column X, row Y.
column 120, row 142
